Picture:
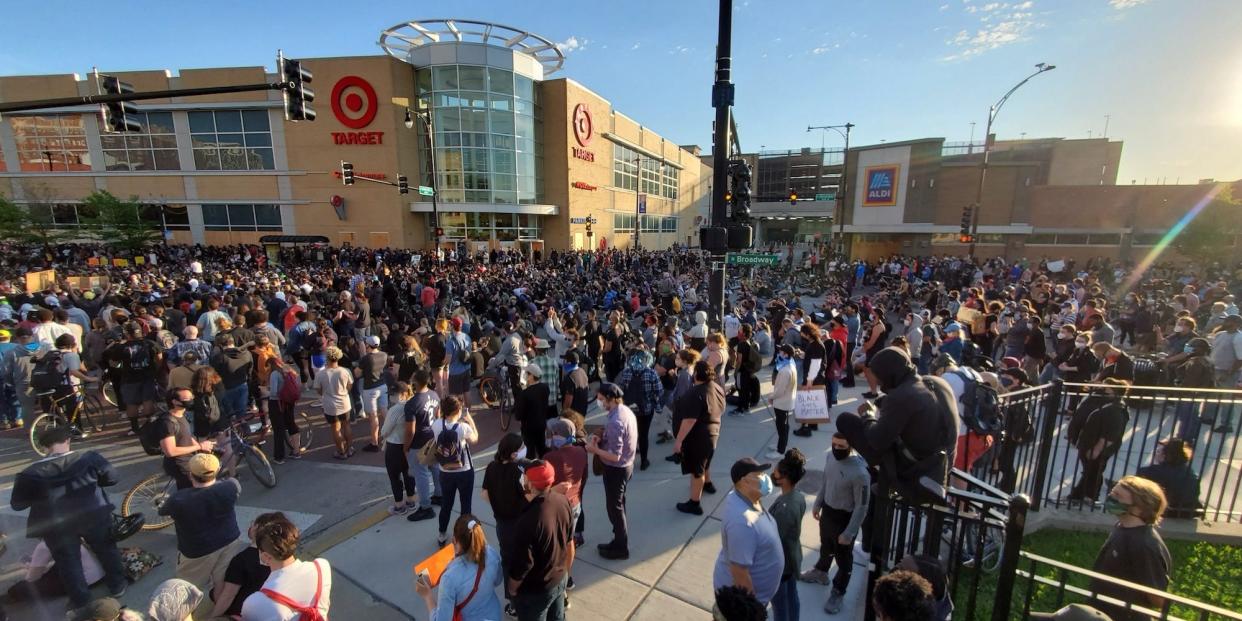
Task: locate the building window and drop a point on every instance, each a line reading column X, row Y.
column 73, row 215
column 669, row 225
column 155, row 148
column 623, row 223
column 1041, row 239
column 52, row 143
column 1104, row 239
column 624, row 167
column 244, row 217
column 232, row 140
column 656, row 178
column 649, row 183
column 671, row 187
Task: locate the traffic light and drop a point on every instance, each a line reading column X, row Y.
column 739, row 171
column 793, row 198
column 439, row 233
column 347, row 173
column 403, row 184
column 967, row 213
column 118, row 116
column 589, row 233
column 297, row 94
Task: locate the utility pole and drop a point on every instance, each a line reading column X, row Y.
column 722, row 100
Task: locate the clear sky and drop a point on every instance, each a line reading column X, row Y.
column 1167, row 72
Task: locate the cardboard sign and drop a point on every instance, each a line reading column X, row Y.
column 811, row 405
column 966, row 316
column 86, row 283
column 140, row 260
column 435, row 565
column 93, row 261
column 120, row 263
column 38, row 281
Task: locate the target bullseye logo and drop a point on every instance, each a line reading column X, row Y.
column 354, row 102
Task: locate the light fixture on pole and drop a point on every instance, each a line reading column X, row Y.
column 409, row 119
column 987, row 148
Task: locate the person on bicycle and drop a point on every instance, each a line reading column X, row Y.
column 511, row 355
column 137, row 361
column 74, row 376
column 177, row 441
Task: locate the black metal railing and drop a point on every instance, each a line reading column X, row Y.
column 1043, row 464
column 1046, row 585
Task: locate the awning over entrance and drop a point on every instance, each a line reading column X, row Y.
column 532, row 210
column 293, row 239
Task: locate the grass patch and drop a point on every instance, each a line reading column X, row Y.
column 1205, row 572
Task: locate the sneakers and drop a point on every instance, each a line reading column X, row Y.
column 569, row 584
column 394, row 510
column 510, row 611
column 690, row 506
column 802, row 432
column 442, row 539
column 644, row 465
column 738, row 412
column 567, row 601
column 425, row 513
column 607, row 551
column 774, row 455
column 709, row 487
column 371, row 448
column 814, row 576
column 833, row 605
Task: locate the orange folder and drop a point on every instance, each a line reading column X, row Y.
column 435, row 564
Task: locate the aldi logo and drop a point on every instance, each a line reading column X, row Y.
column 881, row 185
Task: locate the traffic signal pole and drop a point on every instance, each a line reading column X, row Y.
column 722, row 100
column 43, row 104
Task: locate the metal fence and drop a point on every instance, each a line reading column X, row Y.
column 1047, row 467
column 1047, row 585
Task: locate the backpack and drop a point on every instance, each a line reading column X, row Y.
column 1019, row 424
column 290, row 388
column 754, row 360
column 634, row 392
column 448, row 447
column 151, row 434
column 308, row 612
column 48, row 372
column 980, row 404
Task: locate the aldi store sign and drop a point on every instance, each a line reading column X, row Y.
column 881, row 185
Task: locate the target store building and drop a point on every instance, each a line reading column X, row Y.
column 518, row 157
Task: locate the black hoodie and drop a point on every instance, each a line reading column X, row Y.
column 910, row 410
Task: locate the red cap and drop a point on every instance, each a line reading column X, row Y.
column 456, row 321
column 541, row 475
column 1009, row 362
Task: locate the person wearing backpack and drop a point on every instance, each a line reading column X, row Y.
column 644, row 394
column 454, row 432
column 977, row 406
column 295, row 590
column 283, row 392
column 137, row 362
column 749, row 363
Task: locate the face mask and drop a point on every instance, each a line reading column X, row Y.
column 765, row 485
column 1065, row 337
column 520, row 454
column 1188, row 349
column 1080, row 344
column 1116, row 507
column 1179, row 329
column 840, row 453
column 907, row 322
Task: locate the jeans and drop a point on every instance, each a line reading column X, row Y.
column 8, row 404
column 65, row 546
column 233, row 401
column 644, row 431
column 426, row 479
column 616, row 478
column 398, row 472
column 548, row 605
column 785, row 604
column 454, row 483
column 832, row 523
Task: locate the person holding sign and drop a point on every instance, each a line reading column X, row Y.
column 468, row 584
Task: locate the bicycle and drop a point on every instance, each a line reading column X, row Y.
column 496, row 393
column 239, row 447
column 86, row 419
column 147, row 497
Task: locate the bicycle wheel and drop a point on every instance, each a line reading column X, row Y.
column 42, row 423
column 305, row 433
column 506, row 416
column 146, row 498
column 90, row 414
column 109, row 393
column 259, row 466
column 489, row 391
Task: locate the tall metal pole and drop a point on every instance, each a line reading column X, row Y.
column 843, row 191
column 722, row 100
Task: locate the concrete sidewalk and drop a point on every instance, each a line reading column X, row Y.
column 669, row 573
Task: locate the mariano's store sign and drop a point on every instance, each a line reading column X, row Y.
column 355, row 105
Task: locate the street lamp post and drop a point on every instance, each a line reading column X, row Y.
column 425, row 117
column 843, row 186
column 987, row 148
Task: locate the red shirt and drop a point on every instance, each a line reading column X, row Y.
column 570, row 464
column 429, row 294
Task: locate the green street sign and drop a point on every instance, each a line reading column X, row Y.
column 426, row 191
column 753, row 259
column 825, row 197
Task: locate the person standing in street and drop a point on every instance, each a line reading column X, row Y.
column 615, row 448
column 205, row 518
column 784, row 396
column 788, row 510
column 643, row 394
column 569, row 460
column 698, row 413
column 839, row 508
column 333, row 384
column 234, row 365
column 750, row 556
column 531, row 409
column 395, row 462
column 543, row 548
column 420, row 411
column 374, row 393
column 454, row 432
column 68, row 507
column 467, row 589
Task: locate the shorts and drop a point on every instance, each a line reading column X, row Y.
column 696, row 456
column 134, row 393
column 375, row 400
column 459, row 384
column 336, row 418
column 965, row 460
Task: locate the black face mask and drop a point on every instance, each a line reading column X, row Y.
column 840, row 454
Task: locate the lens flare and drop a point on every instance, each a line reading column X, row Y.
column 1167, row 240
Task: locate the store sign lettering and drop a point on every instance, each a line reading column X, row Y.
column 369, row 175
column 357, row 137
column 583, row 154
column 581, row 185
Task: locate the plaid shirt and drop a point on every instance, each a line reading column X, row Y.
column 551, row 376
column 653, row 390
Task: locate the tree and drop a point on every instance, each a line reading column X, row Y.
column 1211, row 234
column 118, row 222
column 28, row 224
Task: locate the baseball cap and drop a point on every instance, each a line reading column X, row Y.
column 542, row 344
column 1073, row 612
column 1009, row 362
column 534, row 369
column 373, row 341
column 204, row 465
column 953, row 327
column 102, row 609
column 4, row 334
column 570, row 357
column 561, row 427
column 611, row 390
column 745, row 466
column 540, row 475
column 457, row 323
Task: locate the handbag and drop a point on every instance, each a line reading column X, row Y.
column 458, row 607
column 427, row 454
column 124, row 527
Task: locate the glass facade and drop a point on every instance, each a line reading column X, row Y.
column 487, row 134
column 232, row 140
column 154, row 148
column 243, row 217
column 485, row 226
column 632, row 171
column 51, row 143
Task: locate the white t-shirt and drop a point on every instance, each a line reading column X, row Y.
column 296, row 582
column 196, row 267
